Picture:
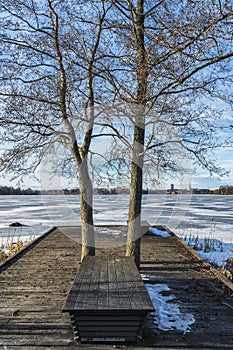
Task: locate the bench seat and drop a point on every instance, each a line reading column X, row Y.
column 108, row 300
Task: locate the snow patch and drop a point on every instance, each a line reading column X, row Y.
column 158, row 232
column 108, row 231
column 167, row 314
column 146, row 277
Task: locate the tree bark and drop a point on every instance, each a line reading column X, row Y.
column 134, row 217
column 86, row 210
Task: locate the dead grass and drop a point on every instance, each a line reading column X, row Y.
column 12, row 245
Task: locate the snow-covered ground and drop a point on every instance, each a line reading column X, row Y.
column 213, row 250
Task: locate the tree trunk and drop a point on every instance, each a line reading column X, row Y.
column 134, row 217
column 86, row 209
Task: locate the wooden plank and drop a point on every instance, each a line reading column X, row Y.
column 84, row 286
column 114, row 297
column 118, row 322
column 121, row 333
column 123, row 286
column 98, row 317
column 132, row 284
column 93, row 294
column 140, row 293
column 137, row 292
column 75, row 290
column 103, row 286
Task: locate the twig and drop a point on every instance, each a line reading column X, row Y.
column 231, row 307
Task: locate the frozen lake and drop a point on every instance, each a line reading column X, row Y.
column 184, row 214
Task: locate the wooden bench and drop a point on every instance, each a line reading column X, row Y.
column 108, row 300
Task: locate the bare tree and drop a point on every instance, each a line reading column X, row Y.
column 48, row 77
column 173, row 51
column 164, row 59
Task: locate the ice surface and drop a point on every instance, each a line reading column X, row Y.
column 200, row 215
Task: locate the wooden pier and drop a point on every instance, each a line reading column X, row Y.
column 34, row 287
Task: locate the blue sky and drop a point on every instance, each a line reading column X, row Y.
column 224, row 159
column 199, row 180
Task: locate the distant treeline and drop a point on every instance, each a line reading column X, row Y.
column 223, row 190
column 5, row 190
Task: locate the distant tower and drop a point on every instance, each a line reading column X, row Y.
column 190, row 187
column 172, row 187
